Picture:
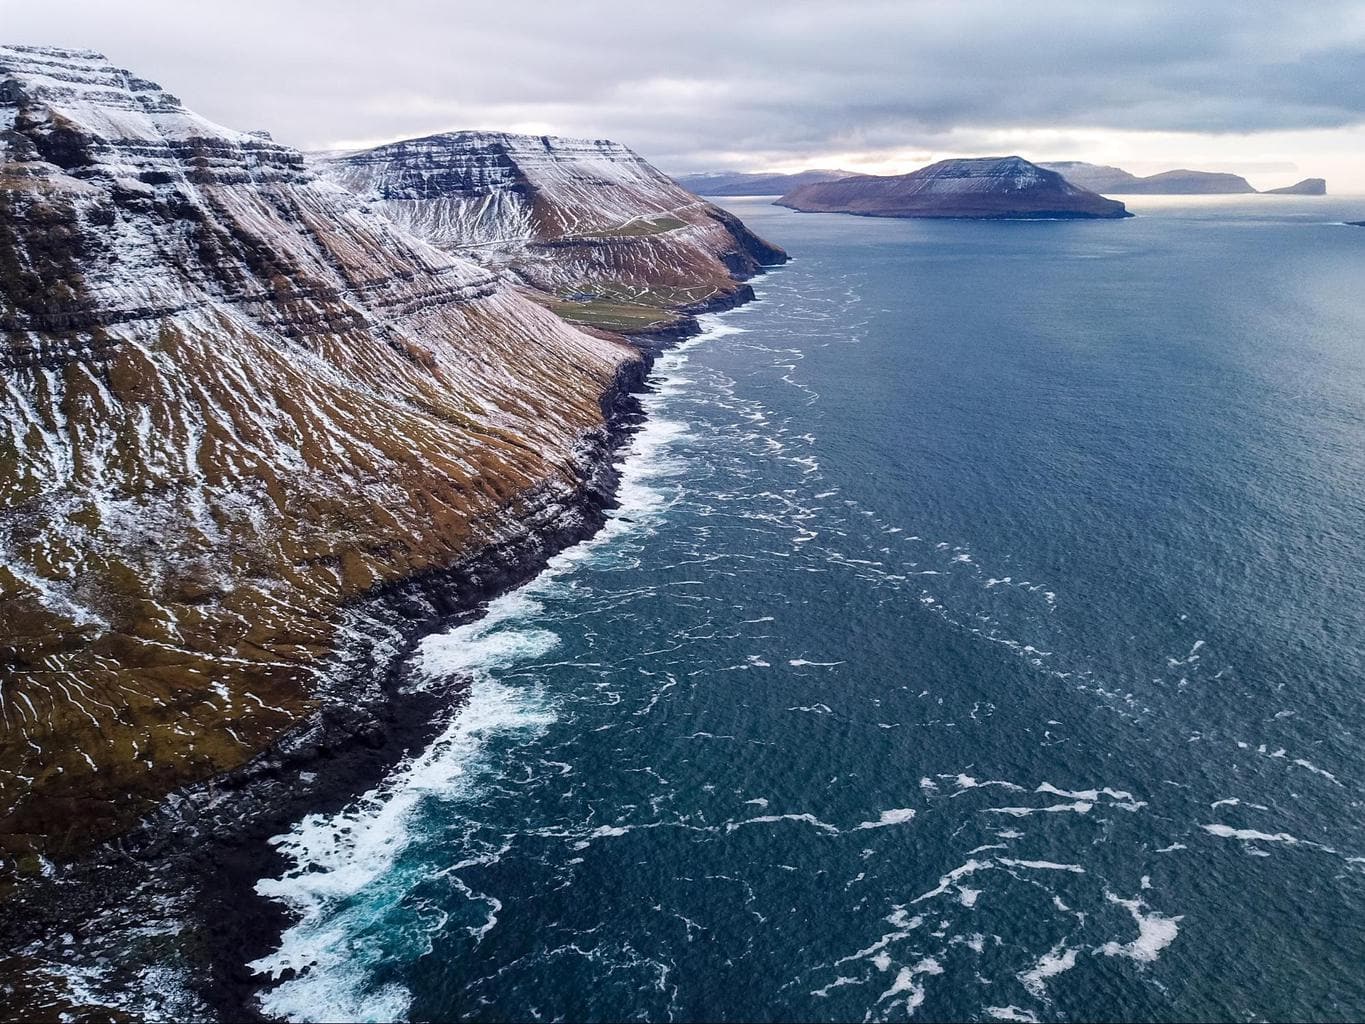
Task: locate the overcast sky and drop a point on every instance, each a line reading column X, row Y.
column 1275, row 91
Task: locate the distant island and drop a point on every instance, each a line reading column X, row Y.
column 1099, row 178
column 1307, row 187
column 987, row 188
column 725, row 183
column 1116, row 181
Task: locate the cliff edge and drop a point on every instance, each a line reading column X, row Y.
column 587, row 226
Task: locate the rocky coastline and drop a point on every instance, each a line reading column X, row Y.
column 180, row 887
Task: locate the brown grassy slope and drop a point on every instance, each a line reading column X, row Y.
column 232, row 402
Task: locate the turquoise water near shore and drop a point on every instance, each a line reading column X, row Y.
column 979, row 637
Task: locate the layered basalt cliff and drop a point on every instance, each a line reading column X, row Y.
column 237, row 404
column 990, row 188
column 587, row 226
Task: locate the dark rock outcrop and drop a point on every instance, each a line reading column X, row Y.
column 987, row 188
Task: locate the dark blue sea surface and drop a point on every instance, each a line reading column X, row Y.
column 980, row 637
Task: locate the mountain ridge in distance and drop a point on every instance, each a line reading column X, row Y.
column 1109, row 180
column 989, row 188
column 733, row 183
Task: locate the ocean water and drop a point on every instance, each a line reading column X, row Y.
column 980, row 637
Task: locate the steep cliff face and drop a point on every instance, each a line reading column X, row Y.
column 233, row 400
column 595, row 231
column 987, row 188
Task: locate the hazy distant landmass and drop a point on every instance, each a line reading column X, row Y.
column 1116, row 181
column 1307, row 187
column 985, row 188
column 725, row 183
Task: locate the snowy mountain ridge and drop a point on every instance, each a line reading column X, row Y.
column 587, row 224
column 234, row 401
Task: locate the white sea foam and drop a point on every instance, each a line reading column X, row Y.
column 1078, row 807
column 1120, row 797
column 1155, row 932
column 838, row 982
column 906, row 985
column 1250, row 834
column 1041, row 865
column 772, row 819
column 898, row 816
column 1010, row 1012
column 965, row 782
column 969, row 868
column 344, row 873
column 1059, row 959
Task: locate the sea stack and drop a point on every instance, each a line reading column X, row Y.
column 987, row 188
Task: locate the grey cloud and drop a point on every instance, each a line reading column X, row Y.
column 694, row 84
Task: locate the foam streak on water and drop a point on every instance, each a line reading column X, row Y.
column 345, row 873
column 976, row 640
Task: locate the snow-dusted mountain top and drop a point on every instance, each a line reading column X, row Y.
column 234, row 400
column 581, row 185
column 114, row 112
column 579, row 220
column 520, row 143
column 982, row 174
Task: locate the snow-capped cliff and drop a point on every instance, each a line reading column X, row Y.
column 988, row 187
column 233, row 399
column 604, row 236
